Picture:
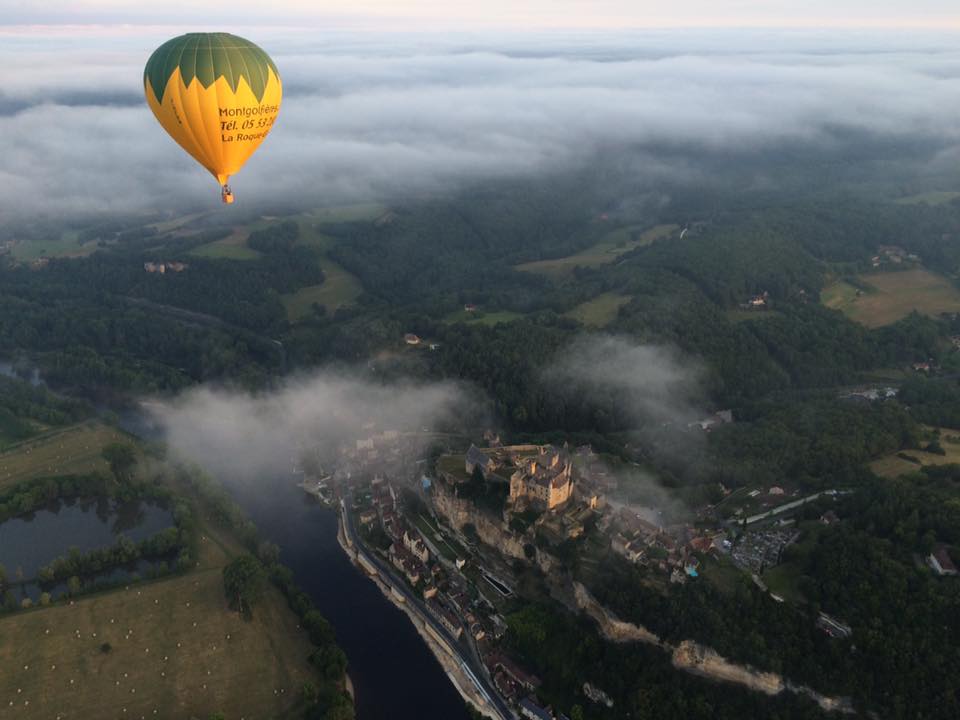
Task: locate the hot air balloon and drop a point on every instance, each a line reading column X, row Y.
column 217, row 95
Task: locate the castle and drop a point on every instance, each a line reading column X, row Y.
column 545, row 479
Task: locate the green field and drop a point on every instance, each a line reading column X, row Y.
column 600, row 311
column 338, row 288
column 177, row 222
column 64, row 246
column 936, row 197
column 454, row 465
column 176, row 652
column 892, row 466
column 232, row 247
column 891, row 296
column 483, row 318
column 75, row 449
column 612, row 246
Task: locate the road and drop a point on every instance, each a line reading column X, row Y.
column 466, row 652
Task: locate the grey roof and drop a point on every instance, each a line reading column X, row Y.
column 476, row 456
column 535, row 710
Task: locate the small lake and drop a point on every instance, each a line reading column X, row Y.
column 31, row 541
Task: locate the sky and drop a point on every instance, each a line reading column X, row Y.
column 369, row 115
column 519, row 14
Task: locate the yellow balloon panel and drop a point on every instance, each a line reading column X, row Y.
column 220, row 128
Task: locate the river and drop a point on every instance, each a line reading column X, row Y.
column 394, row 674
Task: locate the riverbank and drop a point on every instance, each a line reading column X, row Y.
column 450, row 663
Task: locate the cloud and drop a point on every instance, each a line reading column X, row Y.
column 369, row 116
column 655, row 385
column 248, row 437
column 659, row 390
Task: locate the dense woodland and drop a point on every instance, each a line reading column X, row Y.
column 103, row 328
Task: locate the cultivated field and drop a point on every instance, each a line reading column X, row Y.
column 176, row 651
column 612, row 246
column 600, row 311
column 75, row 449
column 893, row 295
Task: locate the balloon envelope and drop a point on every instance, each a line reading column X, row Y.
column 216, row 94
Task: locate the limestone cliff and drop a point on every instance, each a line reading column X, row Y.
column 490, row 529
column 696, row 658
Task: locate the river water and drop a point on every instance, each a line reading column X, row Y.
column 395, row 676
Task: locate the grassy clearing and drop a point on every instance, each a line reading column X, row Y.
column 75, row 449
column 64, row 246
column 232, row 247
column 721, row 573
column 177, row 222
column 600, row 311
column 936, row 197
column 893, row 295
column 483, row 318
column 339, row 287
column 892, row 466
column 612, row 246
column 177, row 652
column 453, row 465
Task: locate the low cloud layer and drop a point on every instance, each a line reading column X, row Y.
column 659, row 390
column 654, row 385
column 257, row 437
column 370, row 116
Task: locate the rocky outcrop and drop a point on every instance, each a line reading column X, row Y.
column 611, row 627
column 701, row 660
column 490, row 529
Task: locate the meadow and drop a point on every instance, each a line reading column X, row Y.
column 600, row 311
column 75, row 449
column 64, row 246
column 891, row 296
column 613, row 245
column 893, row 466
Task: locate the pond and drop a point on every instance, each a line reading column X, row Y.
column 31, row 541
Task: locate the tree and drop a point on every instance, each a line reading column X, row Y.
column 243, row 581
column 269, row 553
column 122, row 458
column 73, row 585
column 44, row 598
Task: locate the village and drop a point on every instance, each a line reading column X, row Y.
column 453, row 528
